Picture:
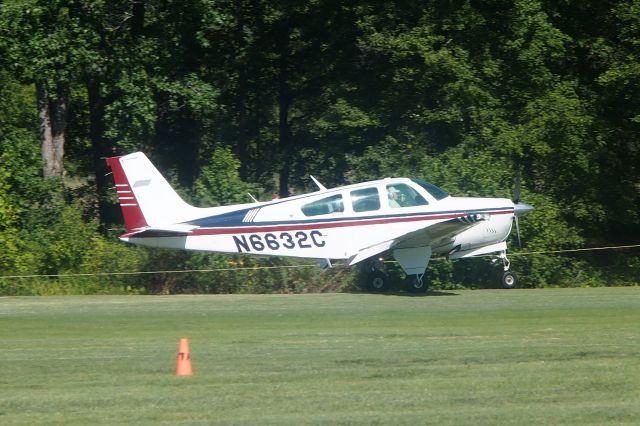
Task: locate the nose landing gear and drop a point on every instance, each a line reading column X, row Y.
column 509, row 279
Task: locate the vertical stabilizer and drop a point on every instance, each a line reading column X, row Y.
column 145, row 197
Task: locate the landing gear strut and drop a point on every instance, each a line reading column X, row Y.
column 509, row 279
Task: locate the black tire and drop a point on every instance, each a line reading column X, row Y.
column 377, row 282
column 509, row 280
column 413, row 285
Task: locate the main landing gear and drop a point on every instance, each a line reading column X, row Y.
column 509, row 279
column 416, row 283
column 378, row 281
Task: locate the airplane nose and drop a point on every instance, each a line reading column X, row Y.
column 522, row 208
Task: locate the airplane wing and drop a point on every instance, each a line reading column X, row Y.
column 441, row 231
column 421, row 237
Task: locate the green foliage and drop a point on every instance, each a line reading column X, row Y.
column 8, row 211
column 219, row 182
column 227, row 274
column 131, row 116
column 66, row 255
column 19, row 255
column 237, row 97
column 111, row 262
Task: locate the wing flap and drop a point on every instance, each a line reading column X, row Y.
column 370, row 252
column 480, row 251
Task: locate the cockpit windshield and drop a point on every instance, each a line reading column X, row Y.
column 436, row 192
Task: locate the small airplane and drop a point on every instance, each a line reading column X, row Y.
column 407, row 219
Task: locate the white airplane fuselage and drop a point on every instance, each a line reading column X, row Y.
column 279, row 228
column 408, row 219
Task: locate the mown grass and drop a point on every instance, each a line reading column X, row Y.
column 554, row 356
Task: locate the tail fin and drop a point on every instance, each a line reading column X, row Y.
column 146, row 198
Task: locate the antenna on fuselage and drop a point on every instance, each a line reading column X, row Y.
column 320, row 186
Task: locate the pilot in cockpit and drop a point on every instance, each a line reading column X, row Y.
column 396, row 198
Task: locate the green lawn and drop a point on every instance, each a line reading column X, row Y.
column 554, row 356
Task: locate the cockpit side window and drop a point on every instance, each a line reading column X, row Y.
column 326, row 205
column 364, row 200
column 402, row 195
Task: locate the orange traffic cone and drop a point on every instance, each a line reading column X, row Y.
column 183, row 363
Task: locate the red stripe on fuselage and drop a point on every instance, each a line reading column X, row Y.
column 327, row 225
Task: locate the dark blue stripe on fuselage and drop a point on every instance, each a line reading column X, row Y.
column 230, row 219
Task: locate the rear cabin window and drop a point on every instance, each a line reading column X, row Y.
column 327, row 205
column 365, row 200
column 402, row 195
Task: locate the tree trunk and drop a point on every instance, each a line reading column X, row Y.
column 108, row 212
column 286, row 147
column 137, row 20
column 52, row 115
column 284, row 102
column 242, row 143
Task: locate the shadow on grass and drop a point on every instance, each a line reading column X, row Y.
column 427, row 294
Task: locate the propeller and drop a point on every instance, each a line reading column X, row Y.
column 517, row 187
column 520, row 209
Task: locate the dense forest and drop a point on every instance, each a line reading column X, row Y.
column 230, row 97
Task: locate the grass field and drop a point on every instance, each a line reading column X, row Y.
column 565, row 356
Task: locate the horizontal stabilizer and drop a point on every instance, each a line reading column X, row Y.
column 177, row 230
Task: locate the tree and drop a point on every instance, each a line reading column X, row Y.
column 46, row 45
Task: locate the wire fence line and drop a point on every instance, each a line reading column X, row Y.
column 576, row 250
column 244, row 268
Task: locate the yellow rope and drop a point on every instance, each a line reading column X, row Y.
column 187, row 271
